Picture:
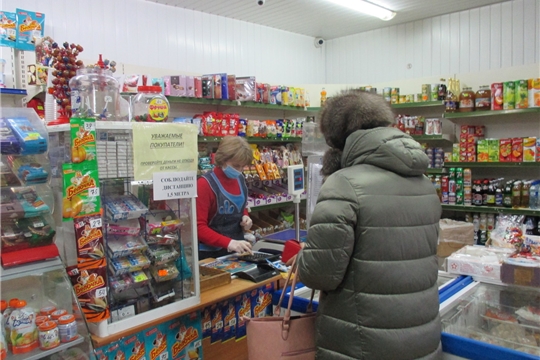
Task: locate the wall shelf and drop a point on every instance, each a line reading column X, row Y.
column 277, row 205
column 251, row 140
column 459, row 115
column 491, row 210
column 418, row 105
column 443, row 137
column 8, row 91
column 491, row 164
column 435, row 171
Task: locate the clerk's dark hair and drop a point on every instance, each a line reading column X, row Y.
column 346, row 113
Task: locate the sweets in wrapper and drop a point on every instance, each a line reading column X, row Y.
column 89, row 237
column 83, row 140
column 81, row 195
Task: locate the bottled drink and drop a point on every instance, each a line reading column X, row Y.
column 323, row 96
column 490, row 222
column 533, row 195
column 516, row 194
column 490, row 198
column 441, row 91
column 507, row 195
column 483, row 222
column 477, row 193
column 476, row 223
column 499, row 195
column 530, row 224
column 485, row 189
column 451, row 102
column 525, row 189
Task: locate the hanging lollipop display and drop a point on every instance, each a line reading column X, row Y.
column 65, row 66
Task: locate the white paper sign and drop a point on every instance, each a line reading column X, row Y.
column 175, row 185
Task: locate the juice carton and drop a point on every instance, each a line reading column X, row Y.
column 482, row 150
column 505, row 150
column 522, row 94
column 156, row 342
column 493, row 149
column 243, row 309
column 529, row 149
column 480, row 131
column 184, row 337
column 455, row 152
column 134, row 347
column 517, row 149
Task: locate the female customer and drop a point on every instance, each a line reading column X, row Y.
column 372, row 239
column 221, row 201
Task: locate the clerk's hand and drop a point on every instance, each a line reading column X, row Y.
column 239, row 247
column 246, row 223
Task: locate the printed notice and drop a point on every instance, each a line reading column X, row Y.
column 169, row 147
column 175, row 185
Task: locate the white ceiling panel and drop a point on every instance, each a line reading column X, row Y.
column 319, row 18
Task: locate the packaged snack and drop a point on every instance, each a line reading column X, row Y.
column 120, row 246
column 252, row 128
column 161, row 254
column 8, row 35
column 279, row 128
column 262, row 129
column 89, row 237
column 234, row 122
column 529, row 149
column 275, row 95
column 505, row 150
column 30, row 27
column 184, row 337
column 23, row 331
column 156, row 342
column 134, row 346
column 81, row 195
column 243, row 309
column 8, row 142
column 30, row 140
column 123, row 227
column 88, row 280
column 246, row 88
column 123, row 207
column 517, row 150
column 164, row 272
column 30, row 201
column 83, row 140
column 28, row 169
column 261, row 300
column 271, row 129
column 231, row 85
column 229, row 319
column 129, row 264
column 242, row 127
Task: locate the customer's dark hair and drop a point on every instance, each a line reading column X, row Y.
column 344, row 114
column 350, row 111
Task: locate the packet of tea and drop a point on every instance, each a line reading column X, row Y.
column 83, row 140
column 89, row 237
column 81, row 195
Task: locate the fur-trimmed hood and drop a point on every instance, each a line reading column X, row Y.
column 387, row 148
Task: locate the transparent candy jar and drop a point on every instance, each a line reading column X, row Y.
column 96, row 93
column 150, row 105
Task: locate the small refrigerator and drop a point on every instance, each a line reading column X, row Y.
column 491, row 321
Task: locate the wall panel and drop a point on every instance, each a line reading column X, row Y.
column 488, row 38
column 152, row 35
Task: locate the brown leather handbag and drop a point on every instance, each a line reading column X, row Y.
column 283, row 337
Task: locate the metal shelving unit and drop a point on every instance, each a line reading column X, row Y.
column 492, row 164
column 472, row 114
column 418, row 105
column 443, row 137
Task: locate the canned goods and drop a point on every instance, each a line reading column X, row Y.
column 57, row 313
column 452, row 198
column 445, row 199
column 48, row 335
column 459, row 198
column 509, row 95
column 452, row 174
column 47, row 311
column 459, row 174
column 452, row 185
column 434, row 92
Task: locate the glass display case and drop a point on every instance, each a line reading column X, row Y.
column 493, row 321
column 43, row 294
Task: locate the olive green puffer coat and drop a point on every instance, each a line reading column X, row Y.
column 371, row 251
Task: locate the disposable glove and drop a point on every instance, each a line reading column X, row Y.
column 239, row 247
column 246, row 223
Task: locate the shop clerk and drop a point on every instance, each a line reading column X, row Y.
column 222, row 217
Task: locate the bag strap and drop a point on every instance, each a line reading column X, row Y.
column 286, row 323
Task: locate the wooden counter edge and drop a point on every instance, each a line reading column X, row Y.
column 236, row 287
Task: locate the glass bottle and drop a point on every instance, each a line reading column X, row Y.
column 466, row 100
column 499, row 197
column 485, row 189
column 441, row 91
column 482, row 98
column 507, row 195
column 323, row 96
column 516, row 194
column 451, row 102
column 490, row 198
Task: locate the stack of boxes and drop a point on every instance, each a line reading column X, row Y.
column 115, row 154
column 473, row 147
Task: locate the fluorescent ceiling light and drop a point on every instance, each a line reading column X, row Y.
column 366, row 8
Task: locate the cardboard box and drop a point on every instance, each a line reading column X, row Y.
column 482, row 150
column 477, row 261
column 505, row 150
column 454, row 235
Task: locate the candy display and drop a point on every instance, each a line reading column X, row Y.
column 120, row 246
column 30, row 201
column 123, row 207
column 128, row 264
column 8, row 142
column 29, row 169
column 24, row 233
column 150, row 105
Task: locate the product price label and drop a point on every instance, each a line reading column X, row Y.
column 93, row 191
column 95, row 223
column 101, row 293
column 89, row 126
column 164, row 356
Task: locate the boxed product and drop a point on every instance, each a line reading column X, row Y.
column 246, row 88
column 482, row 150
column 130, row 263
column 120, row 246
column 8, row 142
column 231, row 87
column 123, row 227
column 176, row 86
column 30, row 27
column 123, row 207
column 493, row 150
column 454, row 235
column 517, row 149
column 478, row 261
column 207, row 86
column 525, row 272
column 184, row 337
column 28, row 136
column 190, row 86
column 505, row 150
column 529, row 149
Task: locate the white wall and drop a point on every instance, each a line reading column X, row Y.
column 183, row 41
column 495, row 37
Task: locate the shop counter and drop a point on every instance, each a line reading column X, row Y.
column 235, row 348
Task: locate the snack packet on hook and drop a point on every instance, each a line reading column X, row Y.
column 89, row 237
column 88, row 280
